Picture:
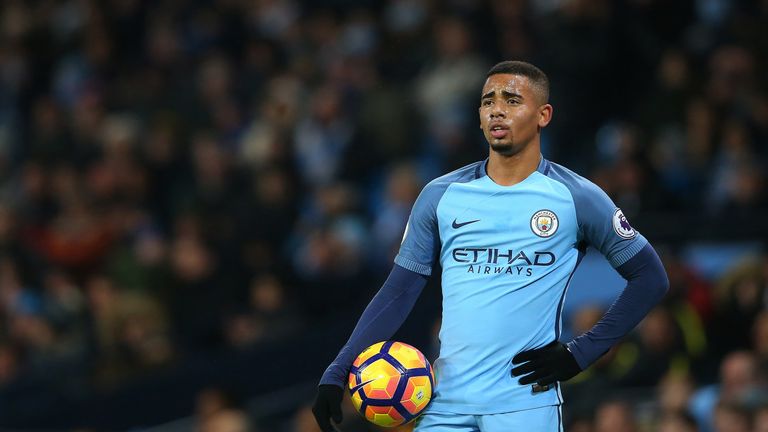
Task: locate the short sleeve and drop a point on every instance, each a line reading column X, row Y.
column 604, row 226
column 421, row 240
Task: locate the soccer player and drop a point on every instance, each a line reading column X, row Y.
column 509, row 233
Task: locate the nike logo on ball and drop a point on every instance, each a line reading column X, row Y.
column 354, row 389
column 459, row 225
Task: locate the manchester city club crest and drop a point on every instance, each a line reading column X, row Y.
column 544, row 223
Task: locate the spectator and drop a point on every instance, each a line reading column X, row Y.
column 657, row 348
column 739, row 383
column 760, row 419
column 218, row 411
column 270, row 315
column 401, row 189
column 739, row 299
column 732, row 418
column 615, row 416
column 179, row 179
column 677, row 422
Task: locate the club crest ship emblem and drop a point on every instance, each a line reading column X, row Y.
column 621, row 226
column 544, row 223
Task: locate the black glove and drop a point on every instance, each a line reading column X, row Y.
column 328, row 406
column 545, row 365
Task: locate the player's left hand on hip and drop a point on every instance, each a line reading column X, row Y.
column 545, row 365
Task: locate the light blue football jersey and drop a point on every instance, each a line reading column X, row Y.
column 507, row 255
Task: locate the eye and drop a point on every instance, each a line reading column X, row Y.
column 486, row 102
column 512, row 101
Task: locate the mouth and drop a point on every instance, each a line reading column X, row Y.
column 499, row 131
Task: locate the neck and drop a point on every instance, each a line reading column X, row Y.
column 510, row 170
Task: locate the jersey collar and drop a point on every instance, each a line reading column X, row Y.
column 542, row 168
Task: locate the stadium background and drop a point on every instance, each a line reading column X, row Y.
column 198, row 198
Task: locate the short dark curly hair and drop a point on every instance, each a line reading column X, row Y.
column 535, row 75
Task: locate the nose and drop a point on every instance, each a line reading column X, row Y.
column 497, row 112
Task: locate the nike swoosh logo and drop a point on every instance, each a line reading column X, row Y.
column 459, row 225
column 359, row 386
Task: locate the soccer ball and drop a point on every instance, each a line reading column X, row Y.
column 391, row 383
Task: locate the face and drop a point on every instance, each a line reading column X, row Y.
column 511, row 113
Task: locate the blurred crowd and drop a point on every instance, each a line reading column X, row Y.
column 180, row 177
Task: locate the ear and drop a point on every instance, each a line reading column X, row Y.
column 545, row 115
column 480, row 115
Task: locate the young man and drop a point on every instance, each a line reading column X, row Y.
column 509, row 233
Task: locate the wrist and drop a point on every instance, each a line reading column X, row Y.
column 574, row 350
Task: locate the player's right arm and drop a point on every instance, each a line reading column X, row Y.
column 389, row 307
column 380, row 320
